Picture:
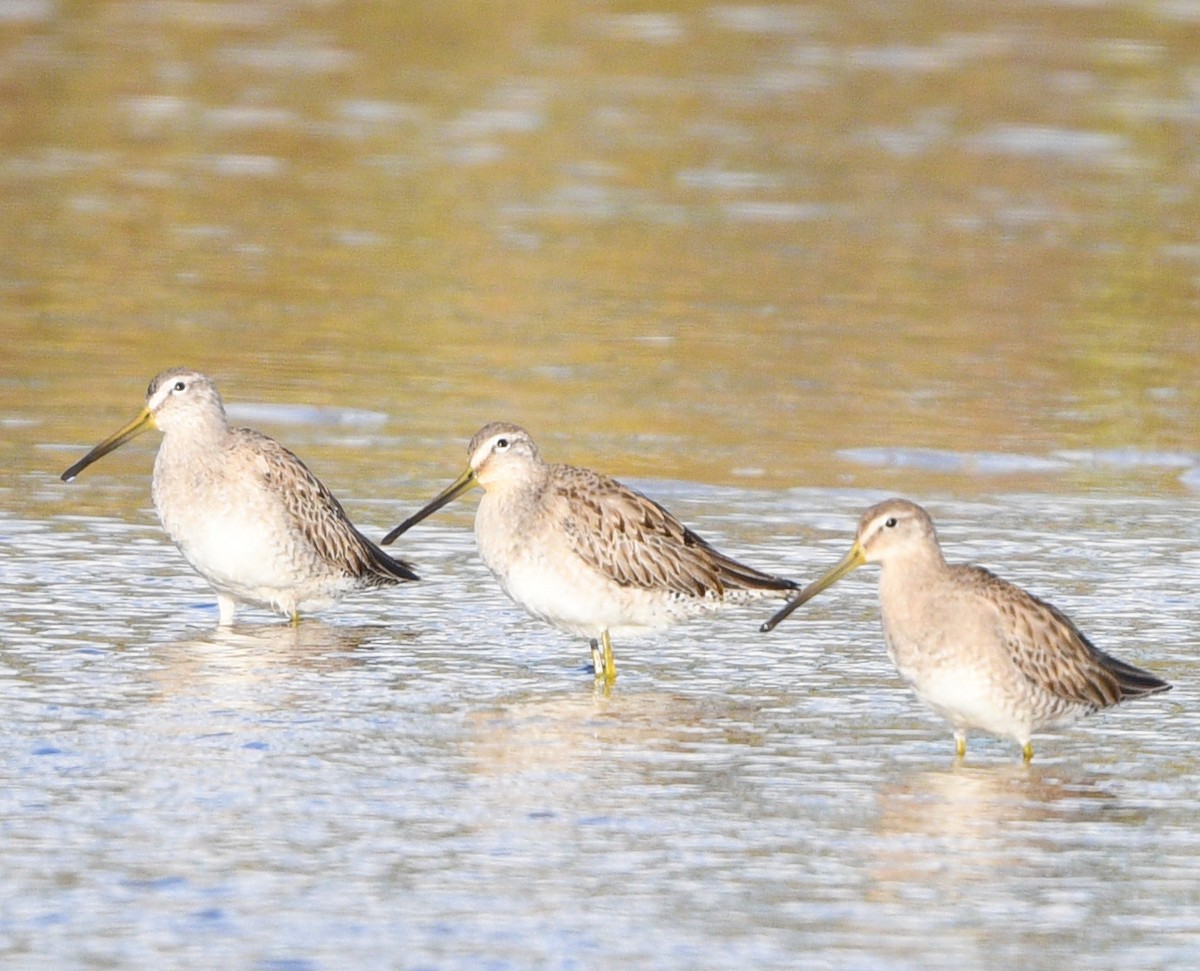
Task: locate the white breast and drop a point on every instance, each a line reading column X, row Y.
column 539, row 570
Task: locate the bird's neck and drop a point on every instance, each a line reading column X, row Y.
column 920, row 569
column 516, row 487
column 510, row 500
column 196, row 439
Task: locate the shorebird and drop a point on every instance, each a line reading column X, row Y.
column 981, row 652
column 585, row 553
column 245, row 512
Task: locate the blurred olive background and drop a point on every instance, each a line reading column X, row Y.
column 712, row 242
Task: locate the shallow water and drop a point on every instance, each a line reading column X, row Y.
column 768, row 263
column 426, row 778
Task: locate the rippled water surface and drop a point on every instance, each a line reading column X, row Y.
column 427, row 778
column 768, row 263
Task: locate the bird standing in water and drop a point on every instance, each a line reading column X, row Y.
column 587, row 554
column 245, row 512
column 981, row 652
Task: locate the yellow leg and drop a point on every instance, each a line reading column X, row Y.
column 295, row 620
column 1027, row 752
column 603, row 664
column 610, row 666
column 960, row 745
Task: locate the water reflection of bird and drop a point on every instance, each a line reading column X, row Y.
column 956, row 832
column 228, row 659
column 981, row 652
column 584, row 552
column 245, row 512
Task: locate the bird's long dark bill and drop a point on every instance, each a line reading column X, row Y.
column 113, row 442
column 851, row 561
column 456, row 489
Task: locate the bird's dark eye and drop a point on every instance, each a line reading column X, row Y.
column 890, row 522
column 501, row 444
column 180, row 386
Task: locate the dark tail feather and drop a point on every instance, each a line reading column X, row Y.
column 1134, row 681
column 734, row 574
column 387, row 568
column 739, row 575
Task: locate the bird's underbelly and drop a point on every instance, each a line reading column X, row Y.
column 569, row 594
column 968, row 697
column 245, row 550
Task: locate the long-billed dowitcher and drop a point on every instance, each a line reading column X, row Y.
column 981, row 652
column 584, row 552
column 245, row 512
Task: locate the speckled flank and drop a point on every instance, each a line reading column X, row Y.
column 245, row 512
column 980, row 651
column 587, row 554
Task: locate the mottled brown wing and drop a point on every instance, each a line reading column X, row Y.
column 320, row 517
column 1050, row 651
column 636, row 542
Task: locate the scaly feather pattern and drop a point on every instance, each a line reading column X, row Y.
column 586, row 553
column 245, row 512
column 983, row 653
column 634, row 541
column 1049, row 650
column 319, row 516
